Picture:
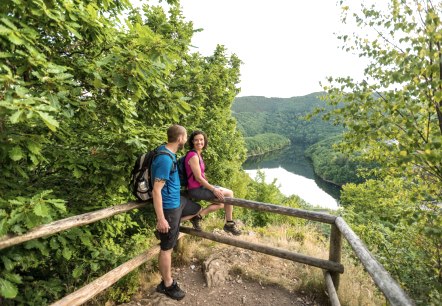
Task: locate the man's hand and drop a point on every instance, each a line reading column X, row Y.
column 163, row 226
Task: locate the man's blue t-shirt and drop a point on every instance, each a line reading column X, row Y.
column 164, row 168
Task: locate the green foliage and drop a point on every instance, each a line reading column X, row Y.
column 83, row 91
column 394, row 115
column 283, row 116
column 403, row 232
column 263, row 143
column 259, row 190
column 393, row 118
column 332, row 165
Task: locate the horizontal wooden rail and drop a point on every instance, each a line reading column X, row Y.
column 282, row 210
column 100, row 284
column 392, row 291
column 331, row 290
column 320, row 263
column 390, row 288
column 67, row 223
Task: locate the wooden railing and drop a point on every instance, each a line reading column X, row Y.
column 332, row 267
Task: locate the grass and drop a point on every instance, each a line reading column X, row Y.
column 356, row 286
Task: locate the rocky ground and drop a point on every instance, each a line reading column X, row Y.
column 220, row 280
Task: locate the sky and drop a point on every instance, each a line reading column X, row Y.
column 287, row 47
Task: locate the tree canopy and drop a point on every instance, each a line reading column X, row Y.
column 394, row 114
column 393, row 118
column 85, row 87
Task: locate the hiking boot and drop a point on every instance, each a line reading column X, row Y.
column 230, row 227
column 196, row 222
column 173, row 291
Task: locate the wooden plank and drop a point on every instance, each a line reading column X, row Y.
column 335, row 252
column 320, row 263
column 332, row 294
column 282, row 210
column 100, row 284
column 67, row 223
column 389, row 287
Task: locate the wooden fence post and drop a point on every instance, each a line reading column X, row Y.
column 335, row 252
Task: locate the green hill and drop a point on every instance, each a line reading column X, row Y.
column 284, row 116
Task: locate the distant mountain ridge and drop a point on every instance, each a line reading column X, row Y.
column 274, row 104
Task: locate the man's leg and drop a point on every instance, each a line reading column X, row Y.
column 190, row 209
column 168, row 240
column 165, row 266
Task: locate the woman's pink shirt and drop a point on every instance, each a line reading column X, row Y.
column 192, row 183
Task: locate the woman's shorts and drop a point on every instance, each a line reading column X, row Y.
column 201, row 193
column 173, row 217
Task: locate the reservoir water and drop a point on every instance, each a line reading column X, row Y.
column 294, row 176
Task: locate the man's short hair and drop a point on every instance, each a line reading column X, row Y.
column 175, row 131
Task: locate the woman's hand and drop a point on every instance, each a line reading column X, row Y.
column 218, row 193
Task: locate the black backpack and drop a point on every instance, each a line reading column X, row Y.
column 140, row 179
column 184, row 177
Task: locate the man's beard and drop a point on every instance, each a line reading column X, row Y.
column 181, row 146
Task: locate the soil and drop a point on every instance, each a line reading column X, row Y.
column 219, row 281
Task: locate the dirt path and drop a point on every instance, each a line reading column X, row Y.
column 219, row 281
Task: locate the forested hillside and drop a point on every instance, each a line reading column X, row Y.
column 263, row 143
column 332, row 165
column 259, row 118
column 283, row 116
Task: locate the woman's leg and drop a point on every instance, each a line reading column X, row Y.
column 211, row 208
column 228, row 208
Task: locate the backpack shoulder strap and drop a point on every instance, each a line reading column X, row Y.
column 164, row 152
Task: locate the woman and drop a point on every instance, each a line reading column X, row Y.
column 200, row 189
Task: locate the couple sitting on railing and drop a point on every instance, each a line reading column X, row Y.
column 171, row 207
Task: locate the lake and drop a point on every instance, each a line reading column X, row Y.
column 295, row 176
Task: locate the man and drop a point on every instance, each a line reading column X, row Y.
column 170, row 207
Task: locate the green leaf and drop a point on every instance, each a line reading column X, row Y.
column 95, row 266
column 7, row 289
column 78, row 271
column 6, row 54
column 16, row 153
column 33, row 147
column 120, row 81
column 86, row 240
column 13, row 277
column 16, row 116
column 21, row 91
column 67, row 253
column 41, row 210
column 185, row 106
column 15, row 39
column 53, row 243
column 77, row 173
column 60, row 205
column 51, row 123
column 9, row 265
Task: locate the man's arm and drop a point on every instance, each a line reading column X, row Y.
column 162, row 224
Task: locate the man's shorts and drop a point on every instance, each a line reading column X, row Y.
column 173, row 217
column 201, row 193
